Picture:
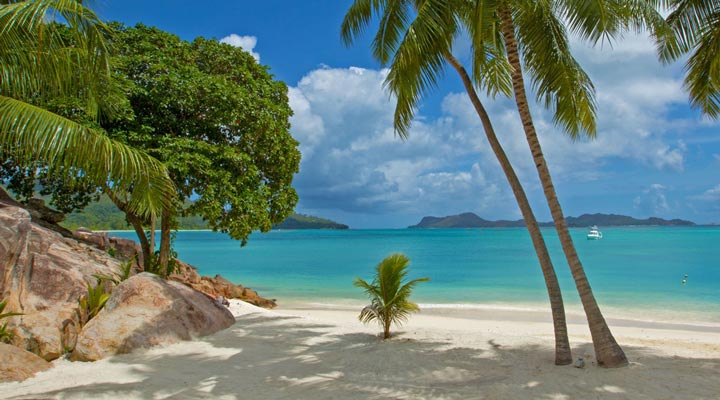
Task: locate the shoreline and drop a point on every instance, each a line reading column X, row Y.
column 310, row 353
column 537, row 312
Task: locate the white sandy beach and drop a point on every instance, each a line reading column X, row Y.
column 326, row 354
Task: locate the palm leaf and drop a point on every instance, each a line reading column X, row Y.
column 389, row 293
column 559, row 81
column 36, row 135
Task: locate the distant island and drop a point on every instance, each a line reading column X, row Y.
column 300, row 221
column 471, row 220
column 103, row 215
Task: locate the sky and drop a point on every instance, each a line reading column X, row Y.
column 653, row 155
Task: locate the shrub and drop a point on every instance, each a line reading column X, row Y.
column 389, row 294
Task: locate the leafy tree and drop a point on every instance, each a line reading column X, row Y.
column 389, row 293
column 417, row 50
column 41, row 61
column 218, row 122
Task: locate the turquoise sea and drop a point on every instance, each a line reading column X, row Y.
column 634, row 271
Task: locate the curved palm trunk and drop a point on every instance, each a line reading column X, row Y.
column 563, row 355
column 607, row 351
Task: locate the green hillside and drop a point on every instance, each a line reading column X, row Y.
column 104, row 215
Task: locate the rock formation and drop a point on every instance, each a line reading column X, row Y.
column 42, row 275
column 17, row 364
column 218, row 286
column 147, row 310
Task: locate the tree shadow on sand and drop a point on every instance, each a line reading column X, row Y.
column 278, row 357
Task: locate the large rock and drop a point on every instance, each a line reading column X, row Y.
column 145, row 311
column 42, row 275
column 217, row 286
column 17, row 364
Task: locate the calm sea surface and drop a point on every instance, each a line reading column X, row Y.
column 634, row 271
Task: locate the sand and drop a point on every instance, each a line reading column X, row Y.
column 315, row 353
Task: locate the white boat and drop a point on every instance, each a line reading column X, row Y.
column 594, row 233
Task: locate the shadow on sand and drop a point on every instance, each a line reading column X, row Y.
column 267, row 356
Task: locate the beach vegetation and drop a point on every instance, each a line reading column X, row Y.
column 54, row 50
column 89, row 305
column 219, row 123
column 122, row 275
column 5, row 335
column 389, row 293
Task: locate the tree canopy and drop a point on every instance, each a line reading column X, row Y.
column 216, row 119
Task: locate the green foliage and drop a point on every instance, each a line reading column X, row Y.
column 91, row 304
column 122, row 275
column 695, row 27
column 4, row 334
column 154, row 266
column 217, row 120
column 389, row 293
column 42, row 61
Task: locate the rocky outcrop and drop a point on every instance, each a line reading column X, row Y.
column 146, row 310
column 218, row 286
column 42, row 275
column 126, row 249
column 17, row 364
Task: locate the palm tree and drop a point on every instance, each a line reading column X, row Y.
column 534, row 31
column 389, row 293
column 39, row 63
column 696, row 28
column 417, row 62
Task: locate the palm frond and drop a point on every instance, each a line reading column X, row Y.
column 419, row 61
column 37, row 57
column 358, row 17
column 36, row 134
column 690, row 20
column 490, row 69
column 559, row 81
column 703, row 69
column 389, row 293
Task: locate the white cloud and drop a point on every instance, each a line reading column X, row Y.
column 712, row 194
column 353, row 161
column 652, row 201
column 247, row 43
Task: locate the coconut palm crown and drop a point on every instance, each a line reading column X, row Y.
column 40, row 63
column 389, row 293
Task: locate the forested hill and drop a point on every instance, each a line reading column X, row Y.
column 300, row 221
column 103, row 215
column 470, row 220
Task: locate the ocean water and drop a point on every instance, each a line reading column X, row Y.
column 634, row 271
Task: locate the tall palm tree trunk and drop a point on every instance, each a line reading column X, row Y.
column 563, row 355
column 607, row 351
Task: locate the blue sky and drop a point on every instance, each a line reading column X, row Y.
column 654, row 156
